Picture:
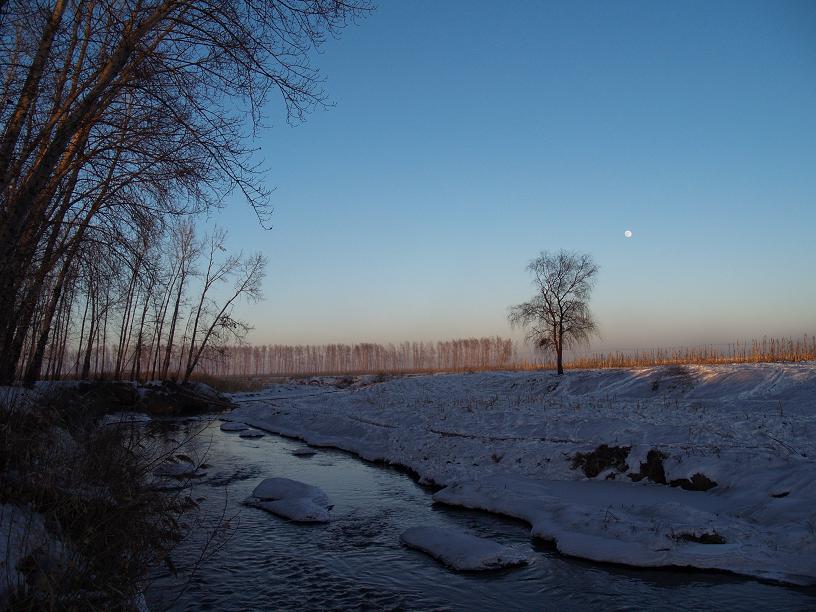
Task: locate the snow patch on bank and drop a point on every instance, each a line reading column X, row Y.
column 645, row 525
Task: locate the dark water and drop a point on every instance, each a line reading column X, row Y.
column 356, row 561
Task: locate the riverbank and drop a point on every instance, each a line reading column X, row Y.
column 709, row 467
column 84, row 512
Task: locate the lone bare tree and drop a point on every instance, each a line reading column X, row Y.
column 558, row 314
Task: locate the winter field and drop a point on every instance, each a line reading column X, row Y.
column 701, row 466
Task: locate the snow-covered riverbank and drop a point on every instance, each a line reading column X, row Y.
column 704, row 466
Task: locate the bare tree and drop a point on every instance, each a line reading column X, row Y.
column 249, row 276
column 558, row 315
column 116, row 111
column 187, row 251
column 216, row 272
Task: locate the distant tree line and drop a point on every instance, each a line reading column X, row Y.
column 451, row 355
column 154, row 357
column 148, row 359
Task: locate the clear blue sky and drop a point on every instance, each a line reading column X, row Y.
column 468, row 136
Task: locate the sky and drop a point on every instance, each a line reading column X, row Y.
column 466, row 137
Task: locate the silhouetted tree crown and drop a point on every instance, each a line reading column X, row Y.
column 558, row 315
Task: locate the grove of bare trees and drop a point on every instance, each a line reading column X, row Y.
column 157, row 317
column 120, row 119
column 367, row 357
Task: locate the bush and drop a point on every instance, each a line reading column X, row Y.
column 107, row 524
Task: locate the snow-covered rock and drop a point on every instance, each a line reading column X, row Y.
column 462, row 551
column 286, row 488
column 292, row 499
column 232, row 426
column 251, row 433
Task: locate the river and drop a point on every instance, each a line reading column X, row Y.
column 357, row 562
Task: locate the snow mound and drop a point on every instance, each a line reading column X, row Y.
column 299, row 509
column 462, row 551
column 231, row 426
column 292, row 499
column 179, row 468
column 646, row 525
column 251, row 433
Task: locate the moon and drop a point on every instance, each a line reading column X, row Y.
column 628, row 233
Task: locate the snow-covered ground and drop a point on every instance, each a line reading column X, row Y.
column 530, row 445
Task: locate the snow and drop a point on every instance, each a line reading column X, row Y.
column 20, row 399
column 292, row 499
column 506, row 442
column 300, row 510
column 176, row 467
column 303, row 452
column 641, row 525
column 124, row 418
column 251, row 433
column 461, row 551
column 21, row 533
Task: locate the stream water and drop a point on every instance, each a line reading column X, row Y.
column 357, row 562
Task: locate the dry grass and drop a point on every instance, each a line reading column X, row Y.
column 766, row 350
column 88, row 483
column 236, row 384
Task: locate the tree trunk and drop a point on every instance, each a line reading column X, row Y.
column 35, row 363
column 136, row 371
column 82, row 332
column 86, row 364
column 559, row 350
column 168, row 351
